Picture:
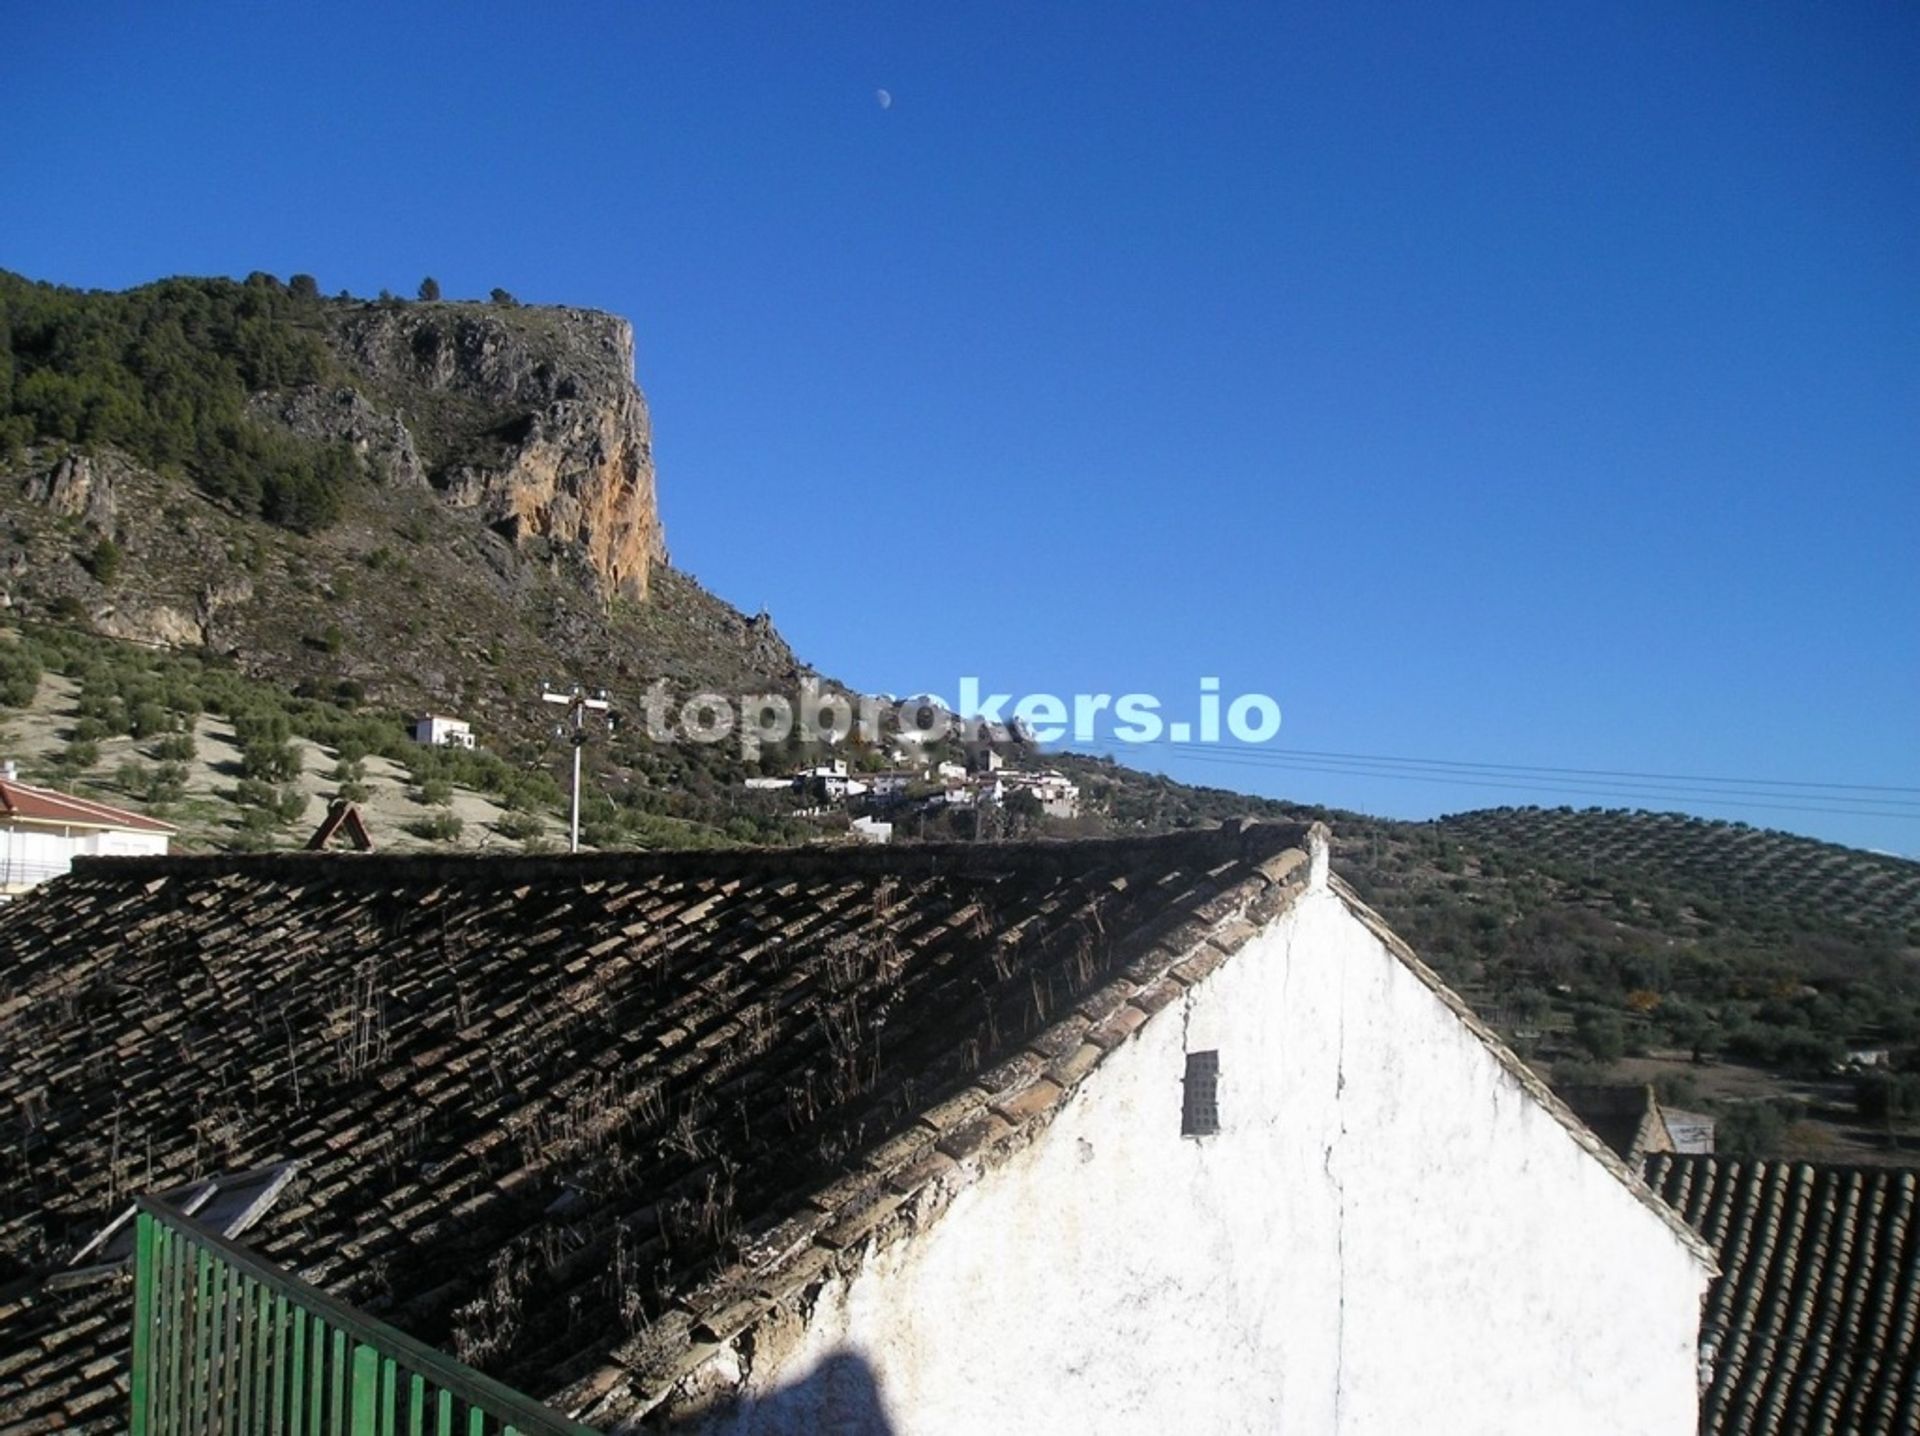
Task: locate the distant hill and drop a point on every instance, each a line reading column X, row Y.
column 281, row 404
column 1776, row 881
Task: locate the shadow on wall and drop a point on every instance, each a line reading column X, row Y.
column 839, row 1396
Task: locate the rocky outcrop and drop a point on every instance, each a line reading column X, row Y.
column 342, row 414
column 79, row 486
column 155, row 624
column 530, row 416
column 223, row 599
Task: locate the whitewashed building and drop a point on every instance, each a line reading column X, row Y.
column 436, row 730
column 1308, row 1191
column 42, row 831
column 1057, row 794
column 892, row 784
column 832, row 780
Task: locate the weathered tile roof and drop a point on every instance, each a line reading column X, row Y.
column 576, row 1120
column 1814, row 1322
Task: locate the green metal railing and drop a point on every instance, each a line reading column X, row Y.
column 225, row 1344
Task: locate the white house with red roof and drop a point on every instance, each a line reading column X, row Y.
column 42, row 831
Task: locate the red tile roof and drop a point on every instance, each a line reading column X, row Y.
column 27, row 804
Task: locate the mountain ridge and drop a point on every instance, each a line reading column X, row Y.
column 270, row 397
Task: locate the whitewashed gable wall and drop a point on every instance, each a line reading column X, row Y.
column 1388, row 1235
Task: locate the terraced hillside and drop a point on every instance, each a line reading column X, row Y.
column 235, row 763
column 1775, row 879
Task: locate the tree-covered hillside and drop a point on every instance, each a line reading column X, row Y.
column 164, row 373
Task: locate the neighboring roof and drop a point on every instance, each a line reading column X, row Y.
column 1814, row 1323
column 643, row 1096
column 27, row 804
column 1626, row 1116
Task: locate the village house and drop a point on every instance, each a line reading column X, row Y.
column 834, row 782
column 954, row 795
column 892, row 785
column 42, row 831
column 436, row 730
column 1058, row 795
column 1142, row 1135
column 831, row 781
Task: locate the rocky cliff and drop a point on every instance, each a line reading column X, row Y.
column 415, row 503
column 529, row 417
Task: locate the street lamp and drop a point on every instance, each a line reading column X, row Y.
column 578, row 702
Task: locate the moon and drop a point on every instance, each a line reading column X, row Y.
column 885, row 97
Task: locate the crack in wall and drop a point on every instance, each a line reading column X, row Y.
column 1340, row 1206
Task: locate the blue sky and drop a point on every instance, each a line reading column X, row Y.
column 1530, row 384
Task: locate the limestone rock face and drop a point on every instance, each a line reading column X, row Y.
column 223, row 600
column 344, row 415
column 151, row 623
column 571, row 461
column 79, row 486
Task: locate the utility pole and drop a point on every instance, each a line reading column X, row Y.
column 578, row 702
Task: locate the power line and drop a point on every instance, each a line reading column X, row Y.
column 578, row 702
column 1668, row 795
column 1529, row 768
column 1893, row 807
column 1277, row 762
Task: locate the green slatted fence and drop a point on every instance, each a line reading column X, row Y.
column 225, row 1344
